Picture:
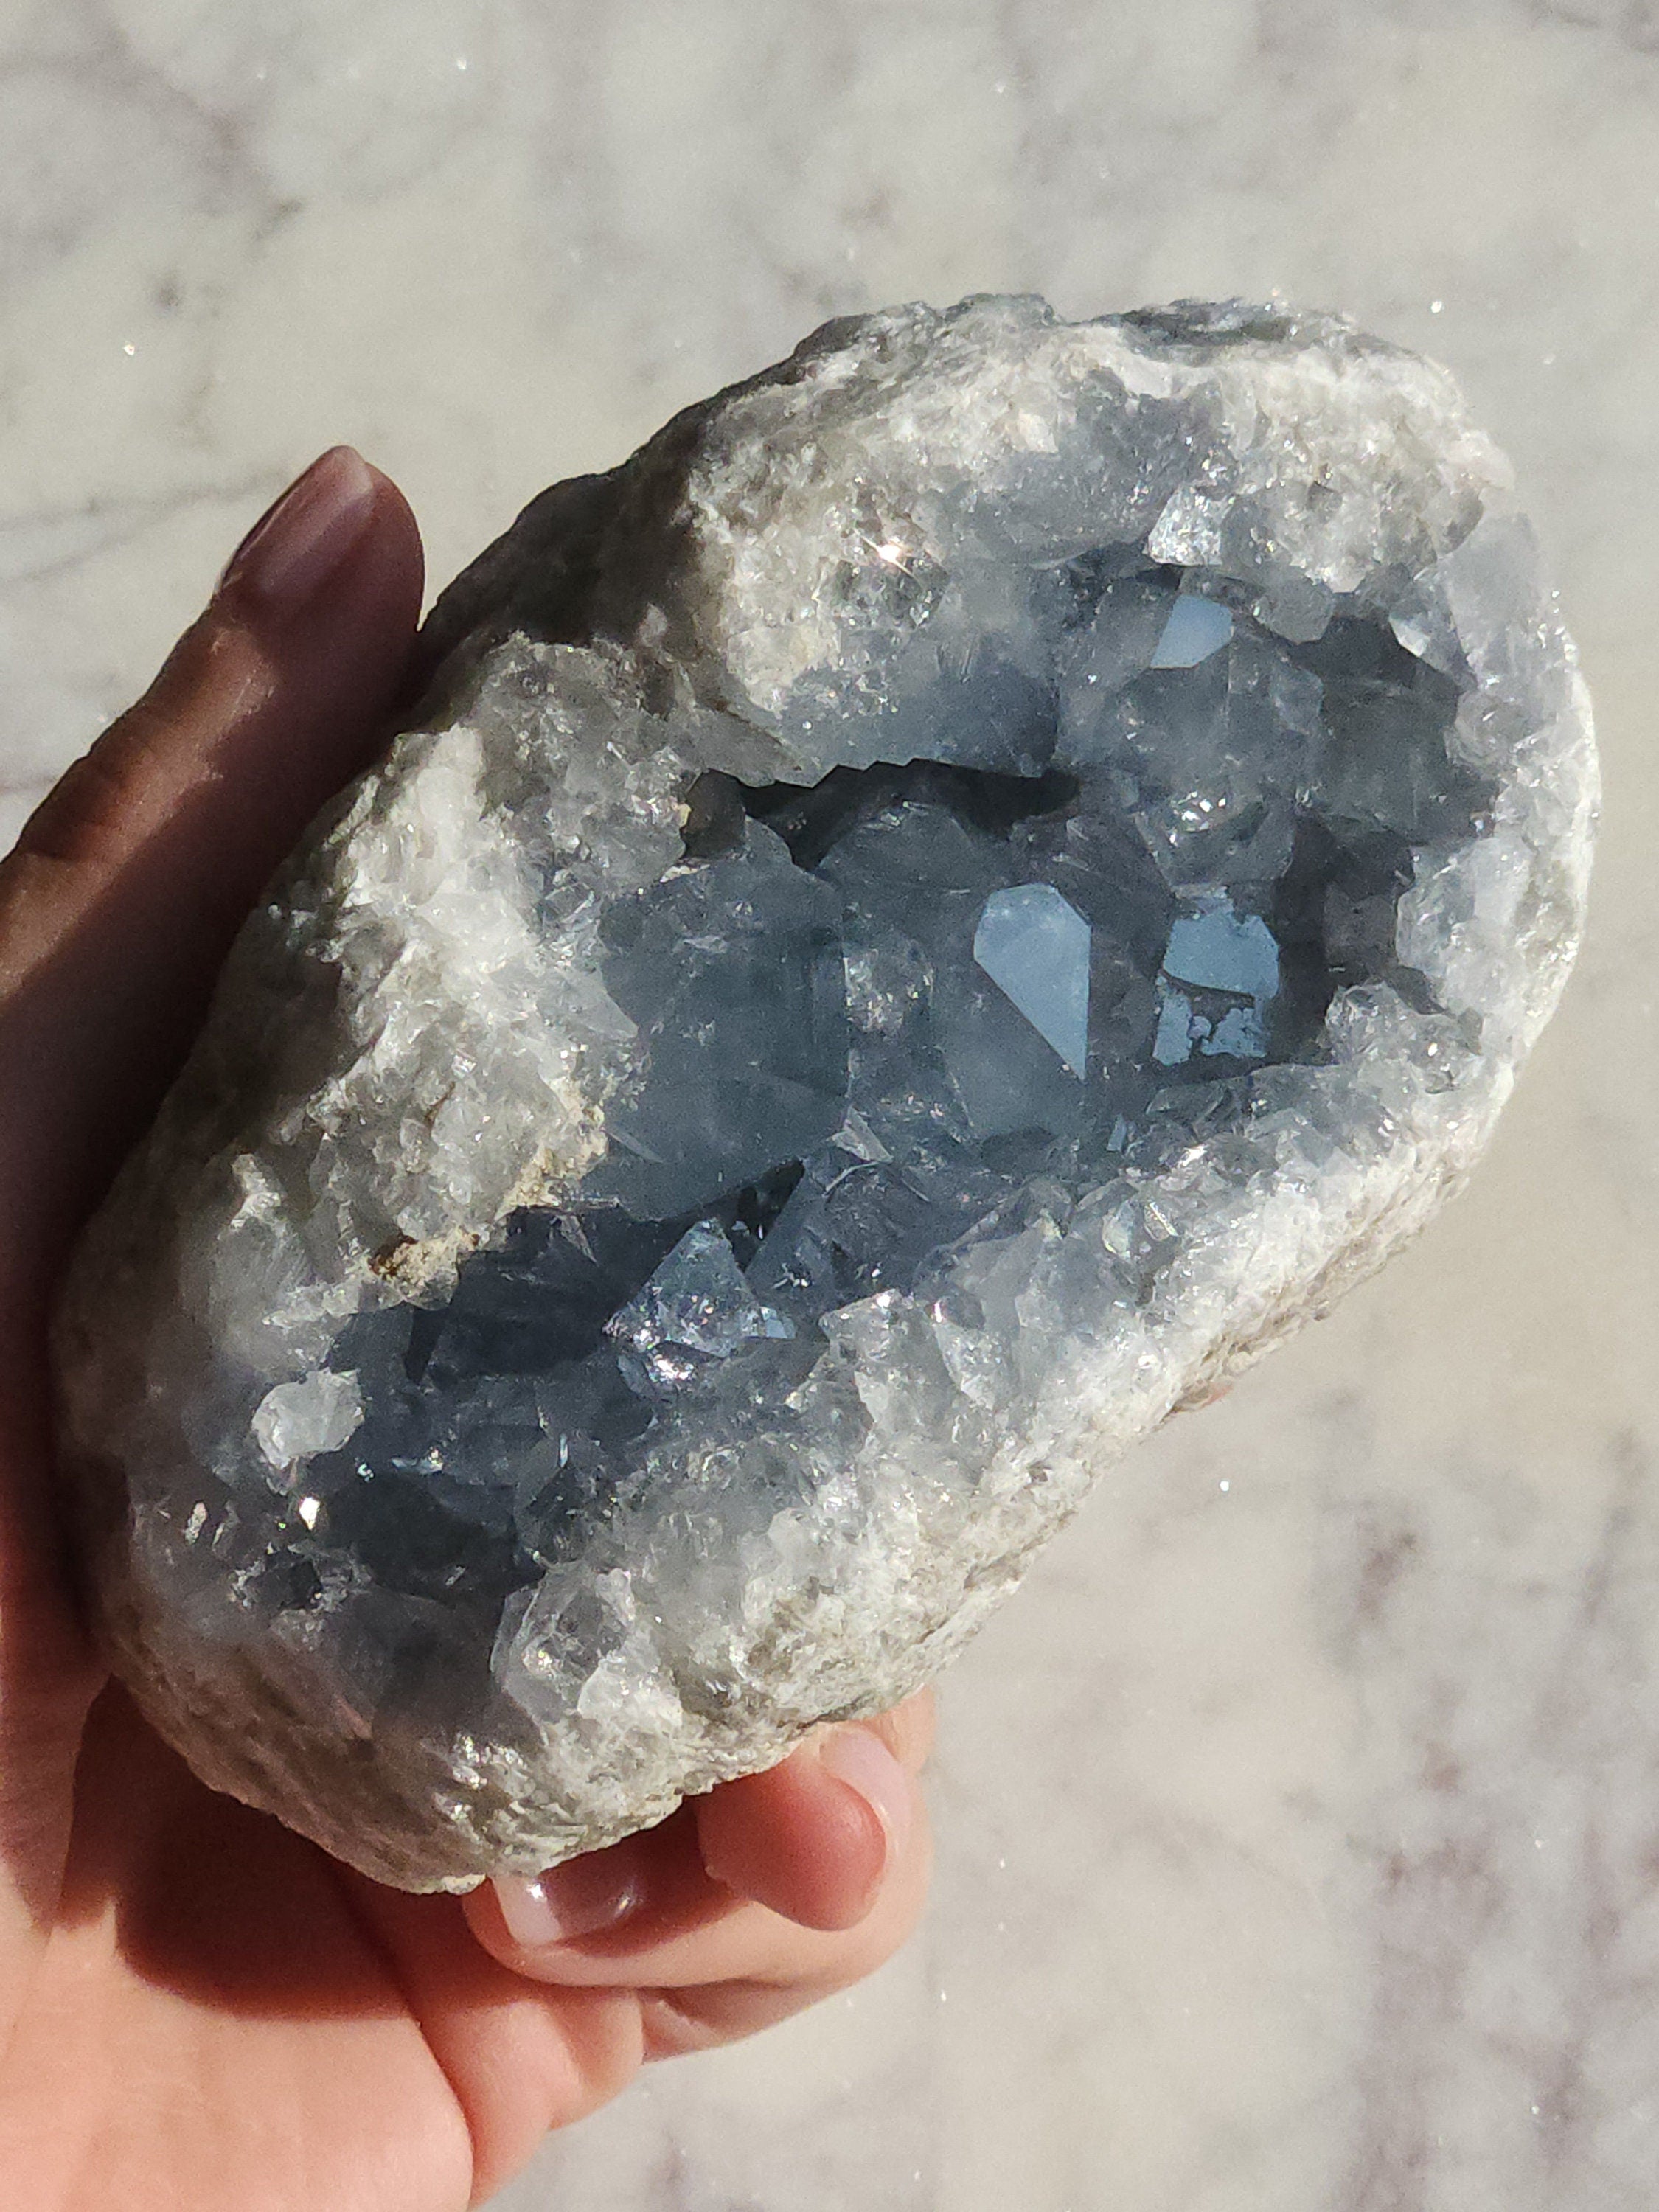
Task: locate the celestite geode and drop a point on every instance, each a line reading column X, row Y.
column 980, row 880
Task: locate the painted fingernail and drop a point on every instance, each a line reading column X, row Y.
column 859, row 1758
column 298, row 544
column 579, row 1897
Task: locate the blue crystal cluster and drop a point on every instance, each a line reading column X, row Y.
column 939, row 908
column 875, row 1014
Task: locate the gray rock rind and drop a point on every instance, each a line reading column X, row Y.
column 413, row 1047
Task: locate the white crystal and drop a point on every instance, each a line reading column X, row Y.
column 295, row 1420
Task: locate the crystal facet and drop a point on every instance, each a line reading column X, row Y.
column 1196, row 629
column 927, row 918
column 1035, row 948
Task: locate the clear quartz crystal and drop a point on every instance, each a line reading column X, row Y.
column 928, row 917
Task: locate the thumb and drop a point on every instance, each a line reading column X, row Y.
column 122, row 896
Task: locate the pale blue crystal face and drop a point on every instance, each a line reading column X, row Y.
column 1091, row 894
column 1035, row 948
column 1197, row 628
column 1225, row 955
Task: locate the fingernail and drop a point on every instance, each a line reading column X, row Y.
column 859, row 1758
column 579, row 1897
column 297, row 545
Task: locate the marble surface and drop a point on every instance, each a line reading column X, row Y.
column 1299, row 1822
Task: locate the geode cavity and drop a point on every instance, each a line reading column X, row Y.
column 977, row 881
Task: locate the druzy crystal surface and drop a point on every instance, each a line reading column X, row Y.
column 979, row 879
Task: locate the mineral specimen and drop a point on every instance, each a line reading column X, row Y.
column 980, row 878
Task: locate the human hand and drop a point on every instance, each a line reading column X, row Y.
column 199, row 2008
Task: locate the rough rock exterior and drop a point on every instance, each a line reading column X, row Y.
column 981, row 879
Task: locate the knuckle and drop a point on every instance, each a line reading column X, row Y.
column 80, row 817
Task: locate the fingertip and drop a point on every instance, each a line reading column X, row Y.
column 583, row 1897
column 127, row 886
column 404, row 554
column 563, row 1923
column 341, row 532
column 861, row 1761
column 814, row 1837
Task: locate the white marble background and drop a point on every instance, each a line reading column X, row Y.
column 1299, row 1822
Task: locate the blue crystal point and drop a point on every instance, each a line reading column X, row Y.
column 1034, row 945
